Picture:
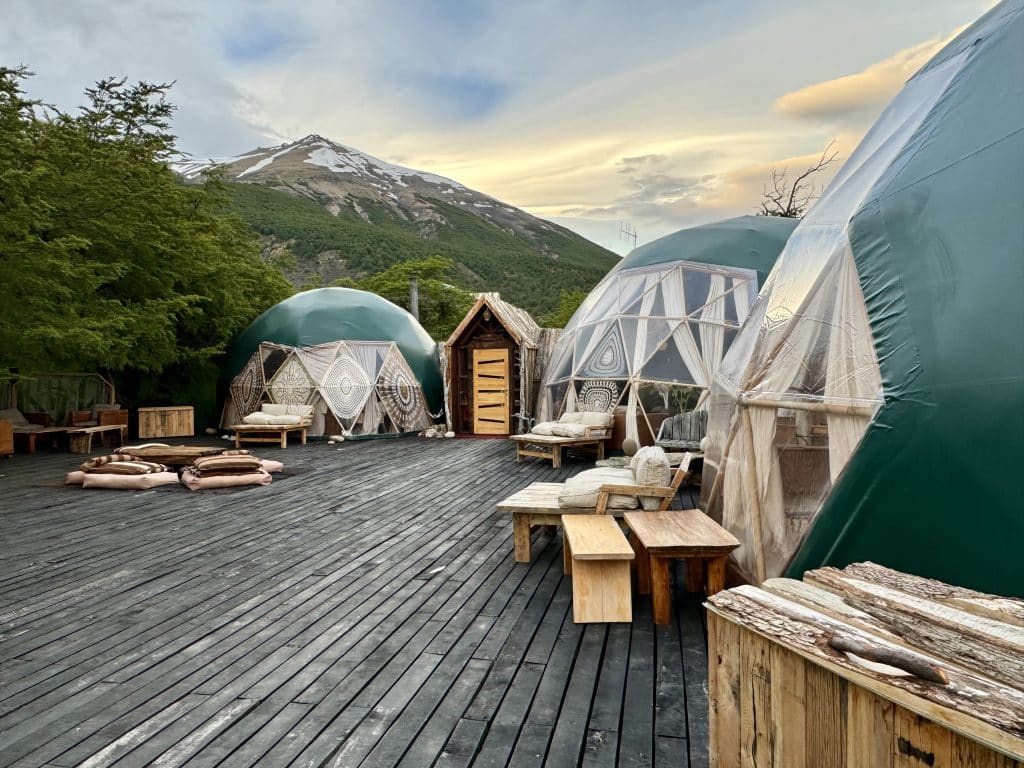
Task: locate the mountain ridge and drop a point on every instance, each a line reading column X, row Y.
column 496, row 246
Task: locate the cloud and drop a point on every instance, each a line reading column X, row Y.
column 862, row 93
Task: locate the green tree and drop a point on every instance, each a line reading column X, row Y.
column 568, row 303
column 107, row 261
column 442, row 304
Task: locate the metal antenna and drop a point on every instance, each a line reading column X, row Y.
column 628, row 232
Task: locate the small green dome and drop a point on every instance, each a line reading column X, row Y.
column 747, row 242
column 343, row 314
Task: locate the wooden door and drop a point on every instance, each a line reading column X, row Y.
column 492, row 400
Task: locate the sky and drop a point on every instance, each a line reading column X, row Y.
column 657, row 114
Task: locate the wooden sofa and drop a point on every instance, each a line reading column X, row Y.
column 30, row 428
column 581, row 430
column 683, row 432
column 272, row 423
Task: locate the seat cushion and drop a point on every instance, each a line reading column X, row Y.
column 27, row 429
column 569, row 430
column 651, row 467
column 570, row 418
column 134, row 467
column 263, row 418
column 582, row 490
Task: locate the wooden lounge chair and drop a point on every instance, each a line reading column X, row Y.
column 32, row 427
column 683, row 432
column 537, row 505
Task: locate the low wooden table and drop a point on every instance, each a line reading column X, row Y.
column 175, row 455
column 596, row 554
column 689, row 534
column 268, row 433
column 551, row 447
column 533, row 506
column 80, row 438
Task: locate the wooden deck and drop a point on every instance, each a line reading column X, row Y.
column 363, row 610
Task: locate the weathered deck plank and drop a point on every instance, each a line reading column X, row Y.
column 362, row 610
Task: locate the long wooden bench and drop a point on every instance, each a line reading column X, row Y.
column 596, row 553
column 80, row 439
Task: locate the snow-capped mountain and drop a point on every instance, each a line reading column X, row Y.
column 340, row 176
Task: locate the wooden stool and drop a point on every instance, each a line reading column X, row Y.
column 596, row 553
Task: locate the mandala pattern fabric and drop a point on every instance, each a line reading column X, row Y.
column 608, row 358
column 247, row 387
column 400, row 394
column 598, row 395
column 345, row 387
column 291, row 384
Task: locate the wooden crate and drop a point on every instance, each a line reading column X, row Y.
column 170, row 421
column 6, row 438
column 787, row 690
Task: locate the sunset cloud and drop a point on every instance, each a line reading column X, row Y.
column 862, row 93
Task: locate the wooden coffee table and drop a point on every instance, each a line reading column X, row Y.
column 175, row 455
column 660, row 537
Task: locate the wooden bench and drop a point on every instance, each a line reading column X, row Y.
column 80, row 439
column 268, row 433
column 663, row 536
column 537, row 504
column 596, row 553
column 551, row 447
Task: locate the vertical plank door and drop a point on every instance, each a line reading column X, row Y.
column 491, row 397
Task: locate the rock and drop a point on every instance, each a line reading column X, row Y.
column 337, row 438
column 449, row 434
column 225, row 437
column 430, row 433
column 211, row 431
column 330, row 442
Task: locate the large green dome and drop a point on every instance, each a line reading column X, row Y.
column 747, row 242
column 343, row 314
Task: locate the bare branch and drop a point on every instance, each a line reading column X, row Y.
column 792, row 199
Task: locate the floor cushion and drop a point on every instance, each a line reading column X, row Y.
column 129, row 482
column 189, row 479
column 269, row 465
column 224, row 465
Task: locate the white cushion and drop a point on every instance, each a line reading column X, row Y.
column 569, row 430
column 652, row 468
column 570, row 418
column 597, row 418
column 583, row 490
column 259, row 417
column 279, row 409
column 544, row 428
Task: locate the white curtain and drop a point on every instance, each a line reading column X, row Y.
column 742, row 293
column 636, row 355
column 852, row 371
column 712, row 327
column 682, row 336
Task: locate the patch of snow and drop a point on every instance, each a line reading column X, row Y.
column 265, row 161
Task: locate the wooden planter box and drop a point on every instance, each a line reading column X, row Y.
column 786, row 689
column 171, row 421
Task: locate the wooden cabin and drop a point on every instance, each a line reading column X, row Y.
column 492, row 366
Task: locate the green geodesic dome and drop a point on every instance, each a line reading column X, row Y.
column 747, row 242
column 871, row 406
column 650, row 335
column 343, row 314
